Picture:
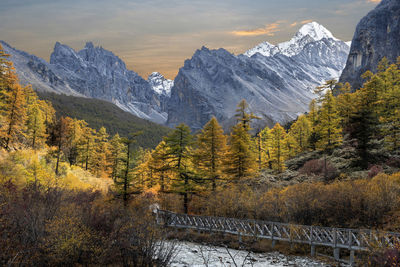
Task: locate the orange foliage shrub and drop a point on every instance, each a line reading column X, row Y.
column 56, row 227
column 358, row 203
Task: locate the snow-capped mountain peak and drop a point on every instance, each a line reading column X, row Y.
column 315, row 31
column 159, row 84
column 264, row 48
column 310, row 32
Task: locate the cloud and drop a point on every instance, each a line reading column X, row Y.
column 306, row 21
column 269, row 30
column 294, row 24
column 373, row 1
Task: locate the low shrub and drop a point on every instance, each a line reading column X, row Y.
column 388, row 257
column 50, row 226
column 374, row 170
column 320, row 167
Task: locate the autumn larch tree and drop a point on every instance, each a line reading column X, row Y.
column 60, row 136
column 241, row 160
column 279, row 150
column 160, row 165
column 389, row 102
column 7, row 76
column 321, row 91
column 264, row 141
column 301, row 132
column 116, row 154
column 123, row 182
column 329, row 128
column 210, row 152
column 87, row 147
column 14, row 116
column 100, row 162
column 346, row 103
column 179, row 144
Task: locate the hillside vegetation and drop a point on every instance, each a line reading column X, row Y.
column 99, row 113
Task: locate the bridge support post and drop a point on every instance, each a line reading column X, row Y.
column 352, row 261
column 273, row 243
column 312, row 250
column 336, row 254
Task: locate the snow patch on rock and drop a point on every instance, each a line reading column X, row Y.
column 159, row 84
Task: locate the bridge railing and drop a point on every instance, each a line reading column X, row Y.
column 352, row 239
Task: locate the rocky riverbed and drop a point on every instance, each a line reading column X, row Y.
column 192, row 254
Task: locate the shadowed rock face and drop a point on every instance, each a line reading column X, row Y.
column 277, row 88
column 377, row 36
column 97, row 73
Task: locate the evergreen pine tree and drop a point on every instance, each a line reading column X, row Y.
column 313, row 118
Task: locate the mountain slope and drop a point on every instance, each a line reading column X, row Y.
column 278, row 88
column 376, row 36
column 91, row 72
column 98, row 113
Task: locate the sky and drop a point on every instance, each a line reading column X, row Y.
column 158, row 35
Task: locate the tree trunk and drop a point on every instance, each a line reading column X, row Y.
column 125, row 194
column 87, row 155
column 58, row 157
column 185, row 195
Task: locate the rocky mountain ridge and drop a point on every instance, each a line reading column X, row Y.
column 91, row 72
column 277, row 87
column 376, row 36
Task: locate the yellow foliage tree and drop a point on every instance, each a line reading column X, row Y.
column 160, row 166
column 14, row 117
column 241, row 160
column 300, row 131
column 210, row 152
column 279, row 151
column 329, row 128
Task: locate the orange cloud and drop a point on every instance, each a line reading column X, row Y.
column 306, row 21
column 373, row 1
column 269, row 29
column 294, row 24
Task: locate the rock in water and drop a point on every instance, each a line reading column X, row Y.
column 377, row 36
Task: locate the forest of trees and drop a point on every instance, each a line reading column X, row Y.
column 210, row 166
column 209, row 160
column 100, row 113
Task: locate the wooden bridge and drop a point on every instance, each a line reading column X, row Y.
column 337, row 238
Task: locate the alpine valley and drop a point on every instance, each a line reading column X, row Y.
column 276, row 80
